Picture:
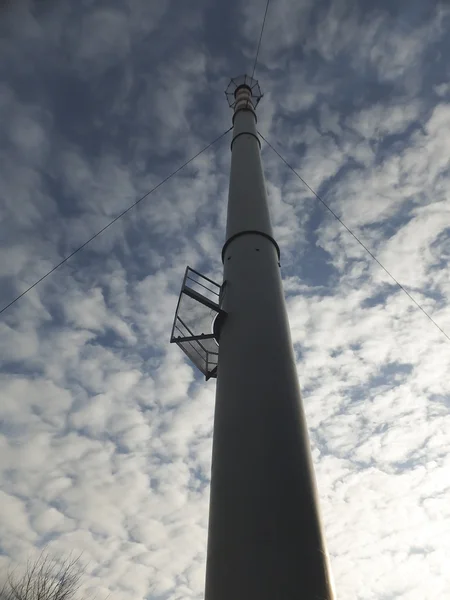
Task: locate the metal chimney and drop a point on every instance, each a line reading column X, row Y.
column 265, row 539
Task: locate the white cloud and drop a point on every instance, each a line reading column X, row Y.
column 381, row 120
column 104, row 38
column 442, row 89
column 105, row 429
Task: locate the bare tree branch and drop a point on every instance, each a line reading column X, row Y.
column 44, row 579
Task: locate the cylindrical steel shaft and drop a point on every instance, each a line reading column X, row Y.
column 265, row 539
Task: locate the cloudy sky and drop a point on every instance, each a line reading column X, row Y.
column 105, row 429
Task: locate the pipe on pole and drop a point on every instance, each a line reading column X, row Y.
column 265, row 538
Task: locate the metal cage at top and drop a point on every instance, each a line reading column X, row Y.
column 243, row 81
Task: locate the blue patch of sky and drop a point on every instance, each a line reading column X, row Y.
column 392, row 373
column 77, row 103
column 435, row 59
column 440, row 298
column 394, row 143
column 408, row 13
column 416, row 458
column 391, row 225
column 314, row 267
column 380, row 297
column 221, row 35
column 440, row 399
column 198, row 480
column 442, row 245
column 120, row 447
column 109, row 339
column 75, row 111
column 13, row 430
column 88, row 266
column 45, row 539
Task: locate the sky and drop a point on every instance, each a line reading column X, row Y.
column 105, row 428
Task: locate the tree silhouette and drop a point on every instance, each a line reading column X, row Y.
column 44, row 579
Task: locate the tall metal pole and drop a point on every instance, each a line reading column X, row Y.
column 265, row 538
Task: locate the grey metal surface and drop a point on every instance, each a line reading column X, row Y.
column 247, row 204
column 265, row 538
